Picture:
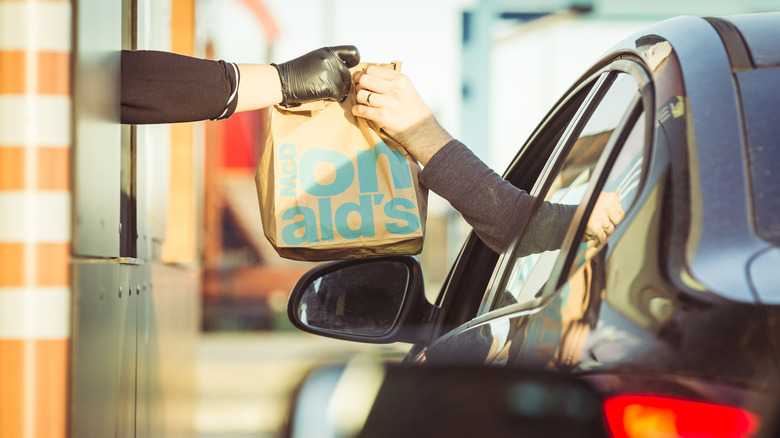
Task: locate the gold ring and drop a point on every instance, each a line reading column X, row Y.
column 368, row 99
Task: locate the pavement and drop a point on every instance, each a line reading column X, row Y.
column 245, row 379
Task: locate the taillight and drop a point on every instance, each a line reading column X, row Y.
column 637, row 416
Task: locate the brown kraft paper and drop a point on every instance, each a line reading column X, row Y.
column 332, row 186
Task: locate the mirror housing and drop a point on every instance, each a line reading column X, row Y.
column 375, row 300
column 376, row 399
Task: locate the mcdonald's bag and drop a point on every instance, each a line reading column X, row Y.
column 333, row 186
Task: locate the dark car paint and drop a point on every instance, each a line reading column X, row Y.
column 684, row 298
column 671, row 311
column 718, row 161
column 759, row 90
column 760, row 33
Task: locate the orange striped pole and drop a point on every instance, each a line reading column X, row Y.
column 35, row 216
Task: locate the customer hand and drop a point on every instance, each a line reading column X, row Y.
column 388, row 98
column 606, row 215
column 320, row 74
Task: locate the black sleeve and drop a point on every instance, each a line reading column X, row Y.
column 163, row 87
column 495, row 208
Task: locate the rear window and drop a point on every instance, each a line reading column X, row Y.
column 760, row 90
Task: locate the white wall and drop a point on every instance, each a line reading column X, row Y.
column 425, row 35
column 532, row 70
column 532, row 64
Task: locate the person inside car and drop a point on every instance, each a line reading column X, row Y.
column 164, row 87
column 491, row 205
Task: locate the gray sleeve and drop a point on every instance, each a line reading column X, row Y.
column 491, row 205
column 495, row 208
column 546, row 229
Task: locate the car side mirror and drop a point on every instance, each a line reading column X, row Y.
column 375, row 399
column 378, row 300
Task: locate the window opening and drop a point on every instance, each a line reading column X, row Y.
column 533, row 256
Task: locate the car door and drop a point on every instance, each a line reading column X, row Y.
column 602, row 135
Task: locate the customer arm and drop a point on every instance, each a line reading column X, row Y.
column 495, row 208
column 491, row 205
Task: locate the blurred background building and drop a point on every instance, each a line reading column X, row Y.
column 489, row 69
column 138, row 296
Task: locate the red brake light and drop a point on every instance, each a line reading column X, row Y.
column 637, row 416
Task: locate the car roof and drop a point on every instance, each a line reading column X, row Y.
column 762, row 34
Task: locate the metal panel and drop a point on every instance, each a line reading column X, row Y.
column 98, row 320
column 148, row 402
column 96, row 128
column 152, row 185
column 153, row 141
column 130, row 277
column 110, row 363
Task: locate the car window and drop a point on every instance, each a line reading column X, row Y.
column 529, row 262
column 476, row 264
column 618, row 193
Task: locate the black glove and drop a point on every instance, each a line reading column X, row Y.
column 320, row 74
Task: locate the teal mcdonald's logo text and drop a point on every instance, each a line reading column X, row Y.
column 326, row 220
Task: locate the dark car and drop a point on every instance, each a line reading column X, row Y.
column 674, row 318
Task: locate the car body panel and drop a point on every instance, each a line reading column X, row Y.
column 764, row 271
column 760, row 92
column 716, row 162
column 760, row 33
column 683, row 298
column 641, row 327
column 653, row 311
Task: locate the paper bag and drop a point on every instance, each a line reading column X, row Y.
column 332, row 186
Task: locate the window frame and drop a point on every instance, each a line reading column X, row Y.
column 627, row 63
column 475, row 264
column 603, row 170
